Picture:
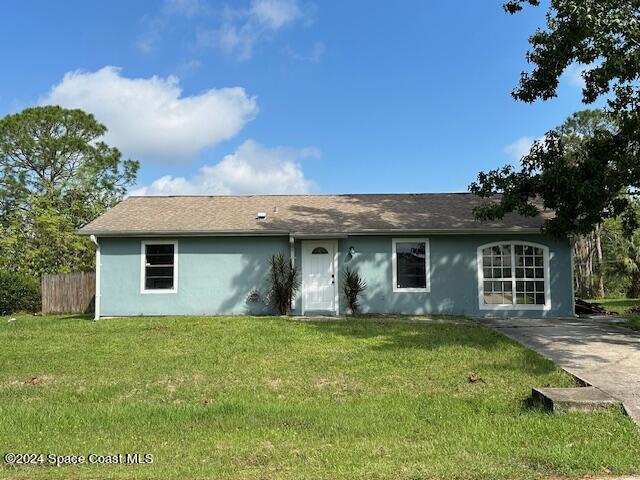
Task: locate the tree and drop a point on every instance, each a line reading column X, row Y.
column 595, row 181
column 56, row 175
column 580, row 127
column 621, row 259
column 587, row 248
column 631, row 266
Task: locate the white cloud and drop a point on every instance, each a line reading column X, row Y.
column 520, row 147
column 155, row 25
column 149, row 117
column 243, row 29
column 573, row 74
column 234, row 30
column 147, row 40
column 275, row 13
column 251, row 169
column 187, row 68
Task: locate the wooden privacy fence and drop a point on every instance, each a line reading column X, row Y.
column 68, row 292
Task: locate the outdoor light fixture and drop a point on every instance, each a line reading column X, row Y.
column 352, row 251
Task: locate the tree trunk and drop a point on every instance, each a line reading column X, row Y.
column 583, row 263
column 589, row 279
column 634, row 288
column 598, row 239
column 577, row 262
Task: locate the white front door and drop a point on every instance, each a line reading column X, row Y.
column 319, row 276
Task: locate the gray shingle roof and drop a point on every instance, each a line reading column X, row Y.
column 303, row 215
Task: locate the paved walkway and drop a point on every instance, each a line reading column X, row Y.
column 595, row 350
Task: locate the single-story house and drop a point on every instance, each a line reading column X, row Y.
column 418, row 253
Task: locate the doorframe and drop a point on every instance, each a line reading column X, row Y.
column 303, row 251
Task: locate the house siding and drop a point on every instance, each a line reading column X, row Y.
column 216, row 275
column 454, row 276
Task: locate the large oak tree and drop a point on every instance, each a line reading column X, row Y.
column 598, row 179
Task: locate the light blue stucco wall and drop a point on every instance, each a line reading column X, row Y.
column 454, row 280
column 216, row 275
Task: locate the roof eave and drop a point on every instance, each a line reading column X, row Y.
column 324, row 234
column 178, row 233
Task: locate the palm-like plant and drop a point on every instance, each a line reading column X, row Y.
column 631, row 266
column 284, row 283
column 352, row 286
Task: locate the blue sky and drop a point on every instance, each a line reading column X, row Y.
column 287, row 96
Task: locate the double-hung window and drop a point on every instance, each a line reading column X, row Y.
column 513, row 275
column 159, row 267
column 410, row 264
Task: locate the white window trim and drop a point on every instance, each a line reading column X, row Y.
column 427, row 261
column 143, row 256
column 514, row 306
column 292, row 259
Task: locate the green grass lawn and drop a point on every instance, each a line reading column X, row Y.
column 619, row 305
column 261, row 398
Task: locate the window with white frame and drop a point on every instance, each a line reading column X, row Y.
column 513, row 275
column 159, row 267
column 410, row 264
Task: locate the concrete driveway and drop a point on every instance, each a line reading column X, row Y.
column 595, row 350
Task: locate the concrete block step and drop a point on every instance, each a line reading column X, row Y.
column 584, row 399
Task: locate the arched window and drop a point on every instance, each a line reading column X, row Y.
column 513, row 275
column 319, row 251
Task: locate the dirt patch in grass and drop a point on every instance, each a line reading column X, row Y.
column 275, row 383
column 338, row 386
column 36, row 380
column 474, row 378
column 160, row 328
